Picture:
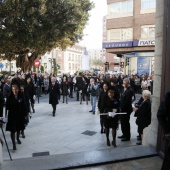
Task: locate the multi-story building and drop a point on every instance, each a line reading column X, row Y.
column 8, row 66
column 95, row 57
column 131, row 32
column 68, row 61
column 108, row 62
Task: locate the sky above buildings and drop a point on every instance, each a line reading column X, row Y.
column 93, row 31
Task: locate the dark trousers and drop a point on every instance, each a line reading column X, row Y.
column 71, row 91
column 54, row 107
column 166, row 162
column 125, row 125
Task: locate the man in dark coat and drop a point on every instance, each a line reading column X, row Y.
column 126, row 107
column 53, row 94
column 79, row 84
column 163, row 116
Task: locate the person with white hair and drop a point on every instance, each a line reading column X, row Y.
column 53, row 94
column 143, row 113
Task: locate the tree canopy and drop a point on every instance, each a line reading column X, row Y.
column 38, row 26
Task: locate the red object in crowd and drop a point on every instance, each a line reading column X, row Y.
column 37, row 63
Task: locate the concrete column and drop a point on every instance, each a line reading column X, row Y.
column 1, row 158
column 151, row 132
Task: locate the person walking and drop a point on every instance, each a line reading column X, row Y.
column 143, row 113
column 16, row 110
column 46, row 84
column 102, row 97
column 126, row 107
column 111, row 104
column 163, row 116
column 64, row 88
column 53, row 94
column 79, row 85
column 30, row 88
column 93, row 90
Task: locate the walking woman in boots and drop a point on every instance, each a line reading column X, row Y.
column 53, row 94
column 102, row 96
column 31, row 92
column 111, row 104
column 16, row 109
column 64, row 88
column 27, row 108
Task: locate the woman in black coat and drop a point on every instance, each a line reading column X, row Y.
column 25, row 95
column 16, row 106
column 53, row 94
column 143, row 113
column 102, row 96
column 31, row 90
column 64, row 88
column 111, row 104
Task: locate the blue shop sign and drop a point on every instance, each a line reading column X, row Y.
column 124, row 44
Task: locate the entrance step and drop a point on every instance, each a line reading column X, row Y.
column 81, row 159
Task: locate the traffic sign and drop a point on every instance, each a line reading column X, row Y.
column 1, row 65
column 37, row 63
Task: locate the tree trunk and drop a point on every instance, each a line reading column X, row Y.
column 25, row 62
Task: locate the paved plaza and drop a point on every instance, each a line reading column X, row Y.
column 63, row 133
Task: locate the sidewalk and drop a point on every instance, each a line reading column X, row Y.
column 63, row 133
column 154, row 163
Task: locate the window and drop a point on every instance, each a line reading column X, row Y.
column 120, row 34
column 148, row 4
column 45, row 65
column 121, row 7
column 73, row 66
column 148, row 31
column 72, row 57
column 69, row 67
column 59, row 55
column 69, row 57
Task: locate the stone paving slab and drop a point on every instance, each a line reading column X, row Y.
column 82, row 159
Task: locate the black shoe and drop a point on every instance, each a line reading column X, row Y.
column 139, row 143
column 125, row 139
column 33, row 110
column 121, row 137
column 114, row 144
column 19, row 142
column 139, row 138
column 94, row 113
column 14, row 147
column 81, row 103
column 101, row 131
column 90, row 111
column 108, row 142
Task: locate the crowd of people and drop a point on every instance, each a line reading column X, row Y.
column 106, row 93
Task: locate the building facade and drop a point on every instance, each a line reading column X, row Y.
column 130, row 28
column 113, row 63
column 68, row 61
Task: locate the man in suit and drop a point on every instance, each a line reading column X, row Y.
column 79, row 84
column 163, row 116
column 126, row 107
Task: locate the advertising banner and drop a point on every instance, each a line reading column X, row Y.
column 138, row 43
column 143, row 65
column 124, row 44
